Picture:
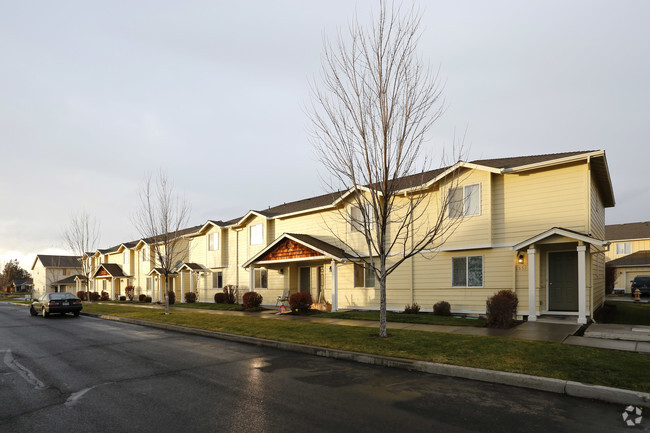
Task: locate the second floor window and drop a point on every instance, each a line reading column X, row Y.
column 145, row 254
column 213, row 241
column 357, row 218
column 125, row 257
column 465, row 201
column 624, row 248
column 256, row 234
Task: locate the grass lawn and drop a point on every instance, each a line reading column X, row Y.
column 423, row 318
column 198, row 305
column 594, row 366
column 628, row 313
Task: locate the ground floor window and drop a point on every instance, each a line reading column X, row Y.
column 364, row 276
column 467, row 271
column 218, row 280
column 261, row 279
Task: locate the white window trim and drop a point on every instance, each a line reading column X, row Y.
column 624, row 247
column 352, row 228
column 212, row 245
column 125, row 257
column 250, row 234
column 465, row 214
column 260, row 270
column 365, row 283
column 467, row 272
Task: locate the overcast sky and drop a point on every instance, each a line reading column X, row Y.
column 94, row 94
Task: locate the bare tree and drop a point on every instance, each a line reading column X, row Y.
column 370, row 118
column 160, row 219
column 81, row 237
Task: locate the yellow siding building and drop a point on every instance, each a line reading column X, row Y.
column 532, row 224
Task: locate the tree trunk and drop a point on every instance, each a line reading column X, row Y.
column 166, row 294
column 382, row 300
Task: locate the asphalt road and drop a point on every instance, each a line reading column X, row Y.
column 88, row 375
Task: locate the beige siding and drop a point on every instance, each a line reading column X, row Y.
column 529, row 203
column 635, row 245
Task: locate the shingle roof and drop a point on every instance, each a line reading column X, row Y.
column 59, row 261
column 68, row 280
column 319, row 244
column 640, row 258
column 406, row 182
column 620, row 232
column 113, row 269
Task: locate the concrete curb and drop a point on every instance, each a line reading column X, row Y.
column 558, row 386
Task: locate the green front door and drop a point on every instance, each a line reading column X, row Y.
column 563, row 281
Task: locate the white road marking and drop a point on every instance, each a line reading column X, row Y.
column 76, row 396
column 23, row 371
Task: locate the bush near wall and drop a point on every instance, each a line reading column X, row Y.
column 190, row 297
column 81, row 295
column 300, row 302
column 220, row 298
column 172, row 297
column 251, row 300
column 142, row 297
column 501, row 309
column 147, row 299
column 104, row 296
column 94, row 296
column 442, row 308
column 130, row 292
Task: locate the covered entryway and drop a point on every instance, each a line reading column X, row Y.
column 563, row 281
column 559, row 266
column 113, row 273
column 304, row 263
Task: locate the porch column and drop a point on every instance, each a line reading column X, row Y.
column 335, row 287
column 191, row 281
column 532, row 283
column 582, row 286
column 182, row 287
column 159, row 292
column 251, row 283
column 112, row 288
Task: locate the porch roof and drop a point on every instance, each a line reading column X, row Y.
column 191, row 267
column 112, row 270
column 560, row 231
column 68, row 281
column 159, row 271
column 319, row 249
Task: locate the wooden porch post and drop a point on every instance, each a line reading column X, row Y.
column 251, row 283
column 335, row 287
column 182, row 287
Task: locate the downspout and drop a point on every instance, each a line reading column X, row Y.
column 412, row 259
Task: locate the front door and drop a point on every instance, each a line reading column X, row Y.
column 563, row 281
column 305, row 280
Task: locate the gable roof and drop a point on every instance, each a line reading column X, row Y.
column 324, row 249
column 50, row 261
column 629, row 231
column 640, row 258
column 113, row 269
column 497, row 165
column 560, row 231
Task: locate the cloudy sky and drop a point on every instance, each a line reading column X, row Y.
column 94, row 94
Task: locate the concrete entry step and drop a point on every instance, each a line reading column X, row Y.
column 619, row 332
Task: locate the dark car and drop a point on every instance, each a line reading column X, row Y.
column 56, row 303
column 642, row 283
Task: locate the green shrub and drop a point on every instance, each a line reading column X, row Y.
column 220, row 298
column 190, row 297
column 172, row 297
column 94, row 296
column 412, row 309
column 147, row 299
column 142, row 297
column 122, row 298
column 300, row 302
column 501, row 309
column 251, row 300
column 442, row 308
column 104, row 296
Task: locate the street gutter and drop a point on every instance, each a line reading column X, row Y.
column 558, row 386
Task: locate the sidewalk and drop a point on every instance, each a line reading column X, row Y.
column 537, row 331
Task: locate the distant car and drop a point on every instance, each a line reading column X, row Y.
column 56, row 303
column 642, row 283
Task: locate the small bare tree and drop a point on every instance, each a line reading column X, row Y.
column 370, row 116
column 160, row 218
column 81, row 237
